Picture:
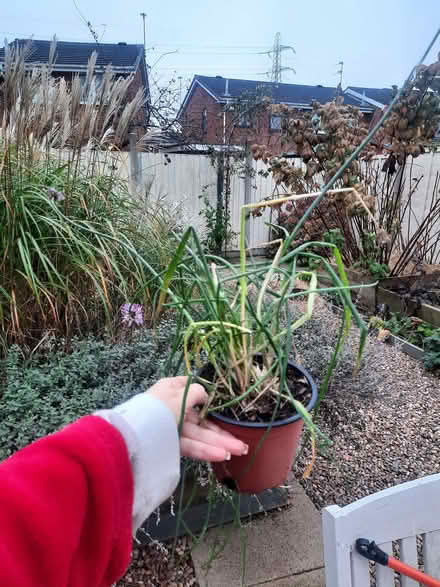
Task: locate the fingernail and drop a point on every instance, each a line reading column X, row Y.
column 228, row 456
column 246, row 449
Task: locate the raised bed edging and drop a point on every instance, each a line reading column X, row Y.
column 373, row 296
column 406, row 347
column 365, row 295
column 397, row 303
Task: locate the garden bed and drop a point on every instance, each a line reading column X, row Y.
column 365, row 297
column 408, row 304
column 414, row 295
column 425, row 288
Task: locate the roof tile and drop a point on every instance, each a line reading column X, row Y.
column 286, row 93
column 382, row 95
column 71, row 54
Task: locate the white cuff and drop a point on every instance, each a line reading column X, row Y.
column 150, row 433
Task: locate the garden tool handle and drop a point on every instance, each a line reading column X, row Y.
column 412, row 573
column 372, row 552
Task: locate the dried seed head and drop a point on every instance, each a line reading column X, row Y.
column 382, row 237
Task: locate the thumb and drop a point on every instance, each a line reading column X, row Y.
column 196, row 396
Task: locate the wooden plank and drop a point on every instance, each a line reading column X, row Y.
column 404, row 510
column 406, row 347
column 365, row 295
column 337, row 551
column 430, row 314
column 392, row 283
column 408, row 555
column 385, row 575
column 431, row 552
column 360, row 570
column 396, row 303
column 222, row 513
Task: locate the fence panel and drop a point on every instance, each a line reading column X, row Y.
column 181, row 178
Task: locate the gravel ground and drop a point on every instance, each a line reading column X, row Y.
column 154, row 566
column 384, row 427
column 384, row 423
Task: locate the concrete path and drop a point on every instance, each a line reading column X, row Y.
column 281, row 549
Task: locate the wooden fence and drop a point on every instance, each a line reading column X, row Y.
column 182, row 178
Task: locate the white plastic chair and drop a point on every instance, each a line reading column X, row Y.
column 399, row 514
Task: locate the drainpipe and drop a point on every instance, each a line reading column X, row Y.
column 227, row 95
column 224, row 125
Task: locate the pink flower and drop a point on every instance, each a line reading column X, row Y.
column 132, row 314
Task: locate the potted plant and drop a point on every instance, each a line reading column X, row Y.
column 237, row 326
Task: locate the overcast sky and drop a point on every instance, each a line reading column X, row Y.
column 378, row 40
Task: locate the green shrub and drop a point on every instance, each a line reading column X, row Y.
column 46, row 391
column 412, row 329
column 431, row 357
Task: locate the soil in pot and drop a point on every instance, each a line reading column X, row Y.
column 272, row 446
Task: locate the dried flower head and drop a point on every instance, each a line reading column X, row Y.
column 382, row 237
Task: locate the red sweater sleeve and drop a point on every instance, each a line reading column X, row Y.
column 65, row 509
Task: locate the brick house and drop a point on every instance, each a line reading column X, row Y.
column 72, row 59
column 219, row 110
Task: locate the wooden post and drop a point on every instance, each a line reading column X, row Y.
column 220, row 202
column 248, row 193
column 134, row 164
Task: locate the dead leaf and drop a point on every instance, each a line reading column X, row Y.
column 383, row 334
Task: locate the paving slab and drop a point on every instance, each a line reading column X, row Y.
column 275, row 547
column 308, row 579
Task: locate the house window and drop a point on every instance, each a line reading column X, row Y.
column 316, row 121
column 244, row 119
column 275, row 122
column 89, row 95
column 204, row 123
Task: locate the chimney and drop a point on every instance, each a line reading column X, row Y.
column 227, row 88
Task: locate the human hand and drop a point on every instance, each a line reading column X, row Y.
column 199, row 440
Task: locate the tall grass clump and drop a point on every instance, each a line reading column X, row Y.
column 74, row 244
